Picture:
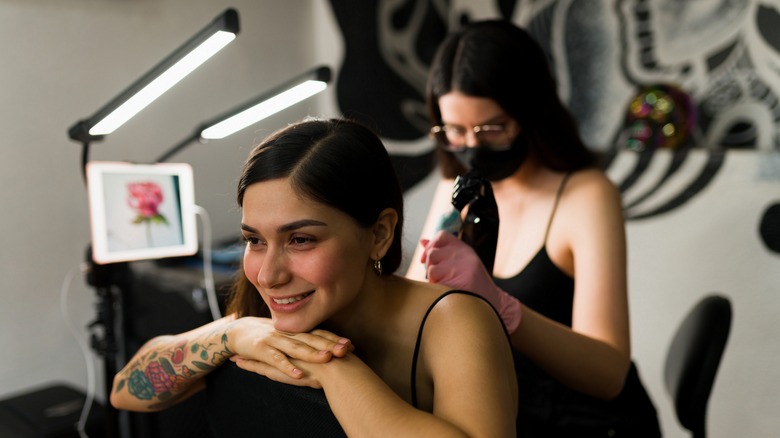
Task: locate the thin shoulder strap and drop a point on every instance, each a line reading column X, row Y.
column 555, row 205
column 419, row 336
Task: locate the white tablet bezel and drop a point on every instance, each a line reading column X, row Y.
column 115, row 238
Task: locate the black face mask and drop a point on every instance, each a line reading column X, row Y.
column 494, row 165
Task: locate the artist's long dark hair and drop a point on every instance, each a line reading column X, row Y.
column 497, row 60
column 336, row 162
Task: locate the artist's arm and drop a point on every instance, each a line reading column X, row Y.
column 593, row 356
column 169, row 369
column 465, row 357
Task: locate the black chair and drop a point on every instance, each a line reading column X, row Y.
column 693, row 360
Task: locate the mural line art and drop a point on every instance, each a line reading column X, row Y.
column 725, row 54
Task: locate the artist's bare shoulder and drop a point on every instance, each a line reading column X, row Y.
column 589, row 186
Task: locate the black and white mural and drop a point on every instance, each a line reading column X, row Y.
column 723, row 55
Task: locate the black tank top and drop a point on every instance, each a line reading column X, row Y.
column 547, row 407
column 243, row 404
column 542, row 285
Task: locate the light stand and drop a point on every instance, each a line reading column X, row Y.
column 110, row 280
column 256, row 109
column 189, row 56
column 105, row 279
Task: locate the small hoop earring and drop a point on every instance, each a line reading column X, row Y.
column 378, row 267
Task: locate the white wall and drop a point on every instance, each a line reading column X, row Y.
column 710, row 245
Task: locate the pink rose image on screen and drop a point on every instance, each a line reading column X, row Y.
column 145, row 198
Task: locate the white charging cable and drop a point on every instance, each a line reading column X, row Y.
column 208, row 271
column 81, row 341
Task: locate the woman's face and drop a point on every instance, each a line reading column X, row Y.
column 481, row 135
column 308, row 261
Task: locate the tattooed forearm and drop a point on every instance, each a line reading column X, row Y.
column 161, row 373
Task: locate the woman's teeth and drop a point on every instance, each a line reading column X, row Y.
column 291, row 300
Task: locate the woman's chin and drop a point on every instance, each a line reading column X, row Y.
column 286, row 325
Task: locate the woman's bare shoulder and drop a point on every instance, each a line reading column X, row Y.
column 461, row 306
column 591, row 178
column 429, row 293
column 591, row 185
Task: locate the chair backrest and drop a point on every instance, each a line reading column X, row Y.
column 693, row 360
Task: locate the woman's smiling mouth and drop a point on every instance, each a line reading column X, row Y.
column 290, row 300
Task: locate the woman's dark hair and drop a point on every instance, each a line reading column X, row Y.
column 497, row 60
column 336, row 162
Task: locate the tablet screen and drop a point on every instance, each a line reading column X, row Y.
column 141, row 211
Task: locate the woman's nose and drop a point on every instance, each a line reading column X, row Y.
column 273, row 270
column 471, row 139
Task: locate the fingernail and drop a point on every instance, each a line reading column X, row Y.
column 297, row 372
column 344, row 341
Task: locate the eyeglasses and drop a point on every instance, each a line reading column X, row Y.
column 453, row 138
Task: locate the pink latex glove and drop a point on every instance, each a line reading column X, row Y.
column 451, row 262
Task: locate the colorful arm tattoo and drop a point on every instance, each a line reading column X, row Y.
column 165, row 374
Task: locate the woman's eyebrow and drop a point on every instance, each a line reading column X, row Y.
column 289, row 227
column 300, row 224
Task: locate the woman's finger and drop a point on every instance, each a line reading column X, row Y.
column 318, row 346
column 283, row 346
column 273, row 373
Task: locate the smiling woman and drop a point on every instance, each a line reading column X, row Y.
column 321, row 337
column 293, row 259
